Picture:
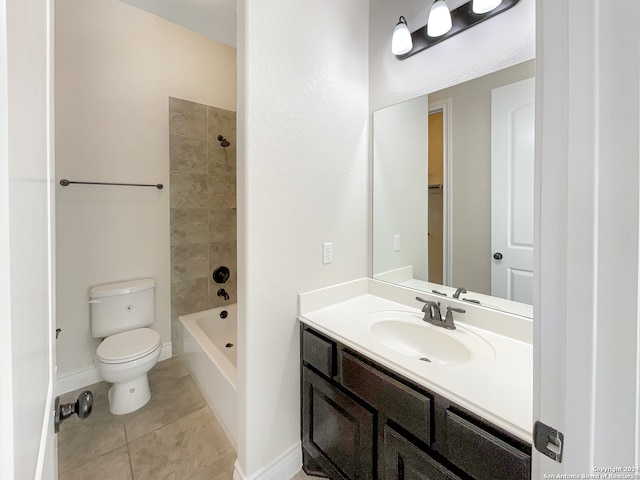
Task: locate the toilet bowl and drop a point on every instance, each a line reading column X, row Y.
column 124, row 360
column 120, row 315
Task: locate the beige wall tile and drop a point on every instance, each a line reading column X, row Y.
column 188, row 154
column 189, row 195
column 189, row 190
column 222, row 224
column 222, row 190
column 188, row 296
column 224, row 253
column 221, row 122
column 221, row 160
column 189, row 261
column 189, row 225
column 187, row 118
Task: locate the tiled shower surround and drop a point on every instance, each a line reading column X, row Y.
column 203, row 207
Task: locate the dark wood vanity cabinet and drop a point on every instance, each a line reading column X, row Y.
column 362, row 421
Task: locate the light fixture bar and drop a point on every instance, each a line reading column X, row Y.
column 462, row 18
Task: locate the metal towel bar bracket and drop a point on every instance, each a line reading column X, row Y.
column 64, row 182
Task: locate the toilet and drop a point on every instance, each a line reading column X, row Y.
column 120, row 315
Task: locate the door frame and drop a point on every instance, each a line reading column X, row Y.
column 26, row 171
column 586, row 287
column 446, row 107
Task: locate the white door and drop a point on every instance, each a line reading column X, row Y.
column 512, row 180
column 27, row 349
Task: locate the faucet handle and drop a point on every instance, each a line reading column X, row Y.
column 448, row 322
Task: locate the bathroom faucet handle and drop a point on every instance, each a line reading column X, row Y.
column 448, row 322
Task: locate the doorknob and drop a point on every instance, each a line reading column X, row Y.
column 82, row 408
column 497, row 256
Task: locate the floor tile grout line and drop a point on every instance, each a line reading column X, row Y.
column 126, row 441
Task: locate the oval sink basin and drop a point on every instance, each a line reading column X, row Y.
column 407, row 334
column 427, row 344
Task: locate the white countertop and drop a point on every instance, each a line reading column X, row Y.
column 499, row 389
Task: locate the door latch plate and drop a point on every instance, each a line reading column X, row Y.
column 548, row 441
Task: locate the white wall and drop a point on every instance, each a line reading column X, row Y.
column 303, row 180
column 116, row 67
column 499, row 42
column 400, row 174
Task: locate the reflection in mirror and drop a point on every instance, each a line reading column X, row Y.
column 453, row 190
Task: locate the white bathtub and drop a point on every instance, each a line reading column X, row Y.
column 212, row 364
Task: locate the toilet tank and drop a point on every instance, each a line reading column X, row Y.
column 118, row 307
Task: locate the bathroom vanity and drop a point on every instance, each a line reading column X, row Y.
column 376, row 405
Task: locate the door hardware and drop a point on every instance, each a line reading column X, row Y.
column 82, row 407
column 548, row 440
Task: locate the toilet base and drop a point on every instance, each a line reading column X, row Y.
column 129, row 396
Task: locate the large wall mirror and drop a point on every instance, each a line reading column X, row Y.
column 453, row 190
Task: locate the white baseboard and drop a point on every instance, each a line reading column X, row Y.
column 282, row 468
column 166, row 351
column 78, row 379
column 89, row 375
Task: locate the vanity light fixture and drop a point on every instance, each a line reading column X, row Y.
column 484, row 6
column 443, row 24
column 439, row 21
column 401, row 42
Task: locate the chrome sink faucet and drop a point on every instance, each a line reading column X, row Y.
column 433, row 316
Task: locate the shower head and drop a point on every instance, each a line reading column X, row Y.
column 223, row 141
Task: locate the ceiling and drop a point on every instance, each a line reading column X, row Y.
column 214, row 18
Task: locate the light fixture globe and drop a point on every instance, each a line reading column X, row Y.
column 484, row 6
column 401, row 42
column 439, row 21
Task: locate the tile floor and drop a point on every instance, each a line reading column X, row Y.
column 174, row 436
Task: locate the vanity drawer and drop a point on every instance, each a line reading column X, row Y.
column 403, row 405
column 318, row 352
column 483, row 455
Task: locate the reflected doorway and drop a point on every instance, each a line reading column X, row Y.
column 435, row 200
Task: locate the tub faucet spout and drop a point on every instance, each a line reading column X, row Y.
column 222, row 293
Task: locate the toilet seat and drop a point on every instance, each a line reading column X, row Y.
column 128, row 346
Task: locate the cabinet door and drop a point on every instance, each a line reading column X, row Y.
column 337, row 432
column 481, row 454
column 404, row 461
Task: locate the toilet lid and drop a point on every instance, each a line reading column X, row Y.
column 127, row 346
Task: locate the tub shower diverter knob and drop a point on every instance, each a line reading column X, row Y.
column 221, row 274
